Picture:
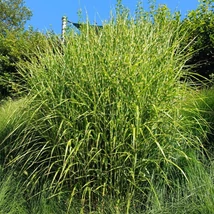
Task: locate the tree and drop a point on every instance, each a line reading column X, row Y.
column 13, row 15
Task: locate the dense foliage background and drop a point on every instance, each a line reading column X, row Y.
column 200, row 39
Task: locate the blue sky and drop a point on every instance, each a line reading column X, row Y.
column 47, row 14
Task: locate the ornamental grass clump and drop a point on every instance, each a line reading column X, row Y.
column 104, row 119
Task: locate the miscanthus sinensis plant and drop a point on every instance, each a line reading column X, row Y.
column 104, row 118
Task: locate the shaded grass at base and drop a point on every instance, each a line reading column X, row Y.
column 14, row 197
column 10, row 111
column 195, row 196
column 206, row 105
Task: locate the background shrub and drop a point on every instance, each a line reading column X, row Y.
column 16, row 47
column 200, row 37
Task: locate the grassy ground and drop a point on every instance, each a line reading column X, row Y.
column 106, row 125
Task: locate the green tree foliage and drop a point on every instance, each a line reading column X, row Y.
column 200, row 25
column 16, row 44
column 13, row 41
column 15, row 48
column 13, row 14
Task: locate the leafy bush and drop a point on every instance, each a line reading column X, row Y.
column 200, row 37
column 13, row 16
column 16, row 47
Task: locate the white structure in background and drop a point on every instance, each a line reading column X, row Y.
column 64, row 24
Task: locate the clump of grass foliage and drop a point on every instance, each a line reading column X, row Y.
column 206, row 106
column 13, row 199
column 10, row 110
column 105, row 117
